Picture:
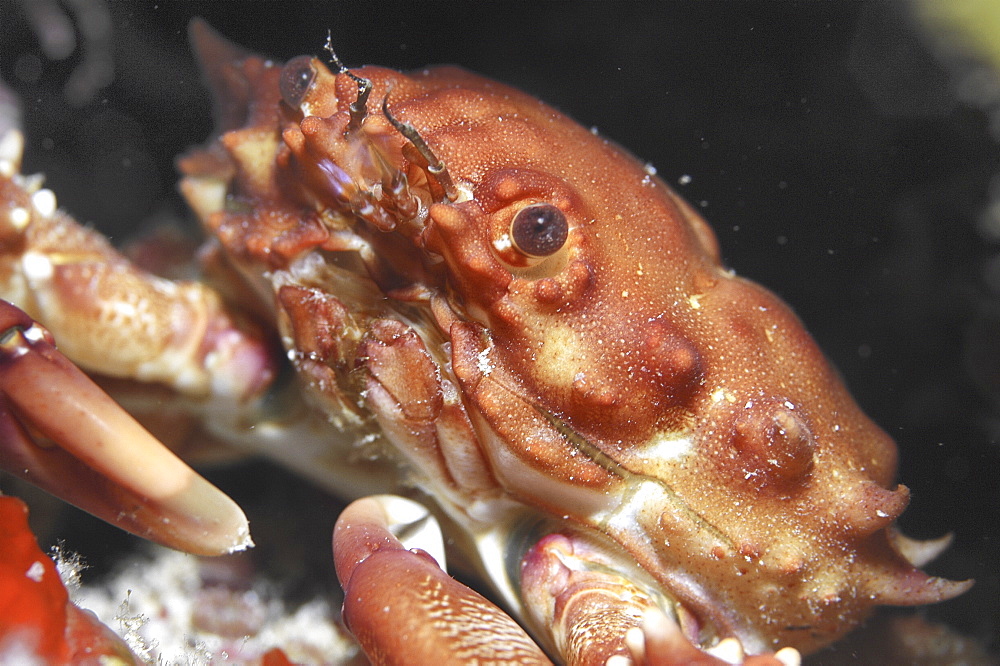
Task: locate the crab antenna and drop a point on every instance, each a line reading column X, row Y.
column 359, row 107
column 434, row 165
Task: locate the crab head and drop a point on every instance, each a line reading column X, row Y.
column 669, row 433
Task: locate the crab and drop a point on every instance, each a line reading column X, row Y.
column 498, row 311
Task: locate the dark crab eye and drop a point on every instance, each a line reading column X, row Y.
column 297, row 77
column 539, row 230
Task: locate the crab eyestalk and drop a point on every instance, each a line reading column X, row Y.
column 61, row 432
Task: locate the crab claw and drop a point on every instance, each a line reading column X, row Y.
column 659, row 641
column 403, row 608
column 599, row 617
column 100, row 458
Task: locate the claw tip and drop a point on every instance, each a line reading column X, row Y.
column 788, row 657
column 243, row 540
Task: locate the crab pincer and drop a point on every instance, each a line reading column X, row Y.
column 402, row 607
column 61, row 432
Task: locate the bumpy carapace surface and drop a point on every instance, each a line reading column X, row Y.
column 616, row 376
column 546, row 340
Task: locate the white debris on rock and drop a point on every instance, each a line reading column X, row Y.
column 161, row 607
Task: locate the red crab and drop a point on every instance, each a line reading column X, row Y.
column 481, row 299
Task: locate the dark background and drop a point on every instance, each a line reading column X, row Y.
column 825, row 143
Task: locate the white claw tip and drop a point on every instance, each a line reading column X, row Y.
column 789, row 656
column 413, row 525
column 729, row 650
column 243, row 541
column 635, row 641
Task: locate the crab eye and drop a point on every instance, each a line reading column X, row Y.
column 539, row 230
column 297, row 77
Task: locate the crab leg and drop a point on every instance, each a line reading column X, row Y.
column 172, row 332
column 103, row 461
column 403, row 608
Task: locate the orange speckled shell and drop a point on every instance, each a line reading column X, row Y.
column 629, row 363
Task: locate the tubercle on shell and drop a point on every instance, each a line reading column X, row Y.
column 681, row 379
